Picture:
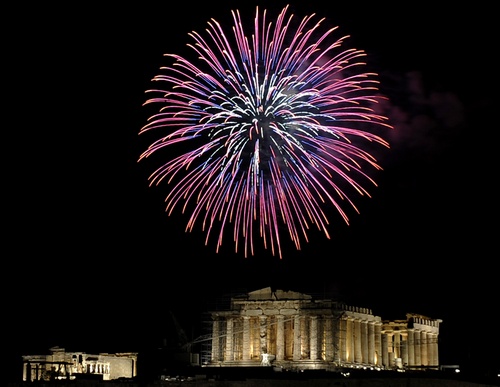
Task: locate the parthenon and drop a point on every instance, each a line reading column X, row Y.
column 295, row 331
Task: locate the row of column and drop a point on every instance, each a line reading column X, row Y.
column 345, row 340
column 360, row 342
column 364, row 342
column 292, row 338
column 413, row 347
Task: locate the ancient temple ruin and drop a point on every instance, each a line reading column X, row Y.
column 295, row 331
column 62, row 365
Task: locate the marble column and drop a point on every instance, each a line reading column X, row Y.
column 280, row 338
column 378, row 343
column 229, row 340
column 423, row 348
column 418, row 344
column 436, row 350
column 246, row 338
column 256, row 340
column 328, row 334
column 296, row 338
column 350, row 340
column 271, row 335
column 371, row 343
column 342, row 341
column 358, row 354
column 397, row 344
column 404, row 350
column 263, row 335
column 433, row 349
column 27, row 372
column 215, row 356
column 313, row 338
column 304, row 337
column 385, row 350
column 411, row 347
column 364, row 341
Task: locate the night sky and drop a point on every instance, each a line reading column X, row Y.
column 93, row 263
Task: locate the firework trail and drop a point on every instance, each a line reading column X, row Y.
column 269, row 125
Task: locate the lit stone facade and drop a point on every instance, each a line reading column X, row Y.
column 60, row 364
column 298, row 332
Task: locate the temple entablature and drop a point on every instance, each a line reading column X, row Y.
column 423, row 323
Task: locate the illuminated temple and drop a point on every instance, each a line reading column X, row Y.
column 59, row 364
column 294, row 331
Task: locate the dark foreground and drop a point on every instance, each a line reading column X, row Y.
column 267, row 378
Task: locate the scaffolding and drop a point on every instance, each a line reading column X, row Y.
column 206, row 340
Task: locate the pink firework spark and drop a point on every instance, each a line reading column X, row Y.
column 273, row 124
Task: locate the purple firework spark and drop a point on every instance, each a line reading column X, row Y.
column 270, row 123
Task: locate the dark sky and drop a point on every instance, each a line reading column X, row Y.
column 92, row 262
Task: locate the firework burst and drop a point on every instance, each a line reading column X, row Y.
column 273, row 126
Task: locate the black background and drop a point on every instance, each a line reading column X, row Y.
column 92, row 262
